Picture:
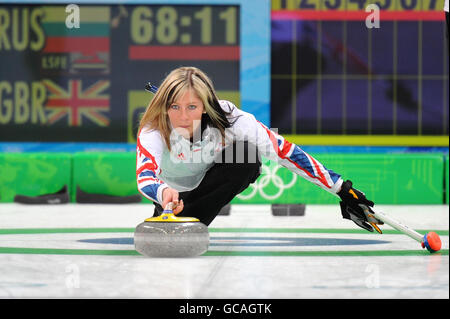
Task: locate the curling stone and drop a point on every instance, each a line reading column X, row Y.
column 170, row 236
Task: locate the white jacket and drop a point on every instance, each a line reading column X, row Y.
column 185, row 166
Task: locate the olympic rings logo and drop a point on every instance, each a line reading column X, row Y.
column 267, row 177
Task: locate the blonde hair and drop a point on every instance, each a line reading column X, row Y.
column 173, row 86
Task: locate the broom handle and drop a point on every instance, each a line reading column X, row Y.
column 399, row 226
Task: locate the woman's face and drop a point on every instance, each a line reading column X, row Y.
column 185, row 114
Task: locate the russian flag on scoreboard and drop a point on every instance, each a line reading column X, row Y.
column 89, row 43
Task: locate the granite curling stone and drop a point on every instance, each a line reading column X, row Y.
column 170, row 236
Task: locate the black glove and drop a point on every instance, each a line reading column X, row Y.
column 356, row 207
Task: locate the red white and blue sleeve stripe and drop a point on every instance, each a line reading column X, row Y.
column 298, row 161
column 147, row 169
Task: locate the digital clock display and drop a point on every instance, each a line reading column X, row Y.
column 204, row 34
column 62, row 82
column 185, row 25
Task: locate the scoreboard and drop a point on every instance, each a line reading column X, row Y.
column 63, row 83
column 77, row 72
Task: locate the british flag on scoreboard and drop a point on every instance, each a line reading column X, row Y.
column 77, row 103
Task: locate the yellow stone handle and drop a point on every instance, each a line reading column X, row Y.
column 169, row 216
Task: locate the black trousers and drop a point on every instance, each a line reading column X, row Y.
column 234, row 170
